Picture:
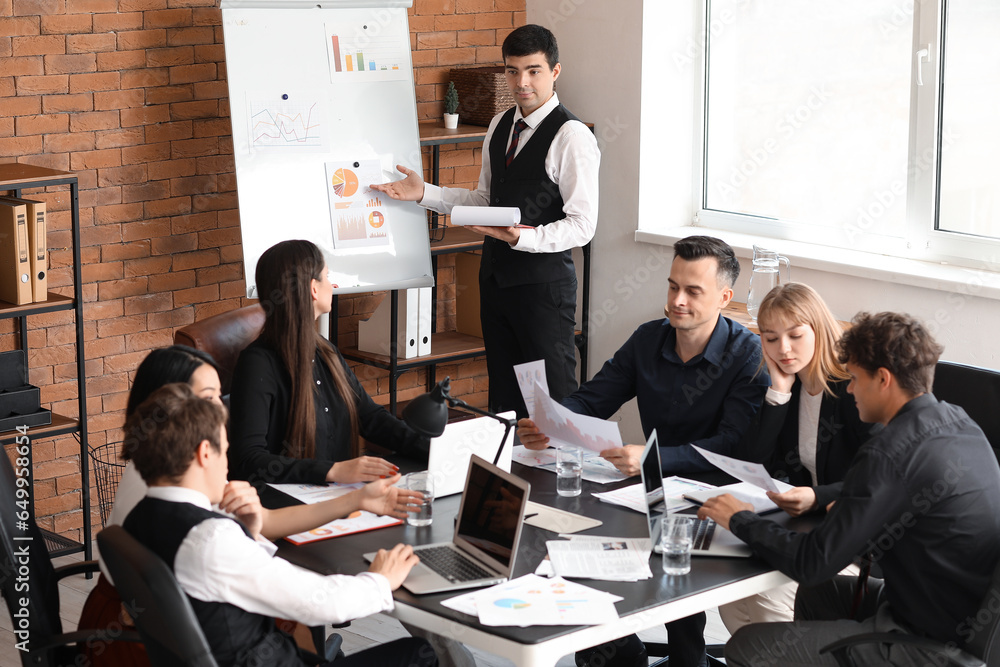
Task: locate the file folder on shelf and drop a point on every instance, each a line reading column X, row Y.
column 15, row 263
column 38, row 247
column 424, row 328
column 373, row 333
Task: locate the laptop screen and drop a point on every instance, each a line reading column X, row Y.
column 652, row 484
column 491, row 512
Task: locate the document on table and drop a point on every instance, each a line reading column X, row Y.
column 315, row 493
column 606, row 558
column 674, row 488
column 744, row 491
column 565, row 427
column 595, row 468
column 752, row 473
column 533, row 600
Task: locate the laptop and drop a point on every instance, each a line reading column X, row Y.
column 487, row 534
column 709, row 538
column 450, row 452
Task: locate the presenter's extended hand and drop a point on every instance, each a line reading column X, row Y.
column 795, row 501
column 383, row 497
column 721, row 508
column 626, row 459
column 530, row 436
column 361, row 469
column 394, row 565
column 410, row 188
column 508, row 234
column 241, row 500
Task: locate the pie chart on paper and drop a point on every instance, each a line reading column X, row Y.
column 511, row 603
column 345, row 183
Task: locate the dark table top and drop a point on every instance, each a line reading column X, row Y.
column 343, row 555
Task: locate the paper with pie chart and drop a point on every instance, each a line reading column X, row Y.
column 356, row 522
column 533, row 600
column 357, row 213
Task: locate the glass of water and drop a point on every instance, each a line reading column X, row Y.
column 424, row 483
column 569, row 471
column 675, row 541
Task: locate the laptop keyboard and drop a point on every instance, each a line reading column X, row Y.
column 704, row 531
column 451, row 565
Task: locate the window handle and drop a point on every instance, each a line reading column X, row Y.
column 923, row 56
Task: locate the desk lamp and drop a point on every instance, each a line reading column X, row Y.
column 428, row 414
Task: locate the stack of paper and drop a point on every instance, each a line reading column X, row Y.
column 674, row 489
column 606, row 558
column 533, row 600
column 595, row 468
column 355, row 522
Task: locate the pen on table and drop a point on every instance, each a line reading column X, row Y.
column 528, row 516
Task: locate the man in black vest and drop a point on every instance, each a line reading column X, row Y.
column 236, row 587
column 540, row 158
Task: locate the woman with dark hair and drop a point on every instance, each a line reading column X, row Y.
column 298, row 412
column 179, row 363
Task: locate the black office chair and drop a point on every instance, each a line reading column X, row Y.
column 976, row 390
column 164, row 617
column 22, row 549
column 981, row 650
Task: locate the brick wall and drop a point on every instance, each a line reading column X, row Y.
column 131, row 95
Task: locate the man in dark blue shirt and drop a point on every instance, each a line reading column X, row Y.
column 698, row 379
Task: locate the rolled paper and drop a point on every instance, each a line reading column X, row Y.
column 486, row 216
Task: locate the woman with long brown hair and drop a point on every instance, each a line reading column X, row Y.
column 298, row 412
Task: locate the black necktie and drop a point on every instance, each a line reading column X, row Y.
column 518, row 126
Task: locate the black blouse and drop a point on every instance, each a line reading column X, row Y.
column 260, row 403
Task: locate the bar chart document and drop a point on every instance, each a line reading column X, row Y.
column 366, row 51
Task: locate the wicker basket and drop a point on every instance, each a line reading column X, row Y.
column 482, row 94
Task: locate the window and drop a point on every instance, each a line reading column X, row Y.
column 862, row 124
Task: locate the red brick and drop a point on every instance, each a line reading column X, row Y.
column 167, row 18
column 454, row 22
column 18, row 146
column 193, row 185
column 171, row 169
column 456, row 56
column 167, row 207
column 6, row 127
column 168, row 319
column 25, row 66
column 56, row 83
column 118, row 138
column 189, row 36
column 210, row 15
column 235, row 288
column 144, row 230
column 58, row 103
column 477, row 38
column 145, row 191
column 205, row 90
column 24, row 25
column 125, row 251
column 184, row 224
column 489, row 55
column 98, row 236
column 123, row 21
column 6, row 86
column 116, row 289
column 118, row 213
column 216, row 127
column 97, row 120
column 123, row 362
column 66, row 24
column 195, row 260
column 169, row 245
column 194, row 147
column 102, row 347
column 57, row 504
column 96, row 159
column 148, row 340
column 145, row 153
column 145, row 115
column 91, row 6
column 192, row 73
column 143, row 5
column 92, row 82
column 170, row 282
column 148, row 266
column 121, row 326
column 198, row 109
column 21, row 106
column 224, row 273
column 121, row 175
column 436, row 40
column 51, row 355
column 101, row 272
column 141, row 39
column 168, row 57
column 90, row 43
column 168, row 131
column 121, row 60
column 210, row 53
column 38, row 45
column 149, row 303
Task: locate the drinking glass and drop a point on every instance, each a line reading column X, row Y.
column 675, row 541
column 424, row 483
column 569, row 471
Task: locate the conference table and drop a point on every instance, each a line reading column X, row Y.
column 646, row 604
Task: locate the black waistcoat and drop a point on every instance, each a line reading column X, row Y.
column 525, row 184
column 237, row 637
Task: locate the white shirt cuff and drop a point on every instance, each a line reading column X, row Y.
column 432, row 197
column 526, row 240
column 777, row 397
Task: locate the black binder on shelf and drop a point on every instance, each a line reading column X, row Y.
column 19, row 401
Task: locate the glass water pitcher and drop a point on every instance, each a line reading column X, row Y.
column 765, row 276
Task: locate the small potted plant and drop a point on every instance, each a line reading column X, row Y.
column 451, row 107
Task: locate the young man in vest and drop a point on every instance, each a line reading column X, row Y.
column 540, row 158
column 922, row 498
column 236, row 587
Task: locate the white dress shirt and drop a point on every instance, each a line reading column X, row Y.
column 572, row 162
column 217, row 562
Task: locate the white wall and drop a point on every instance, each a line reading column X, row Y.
column 600, row 83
